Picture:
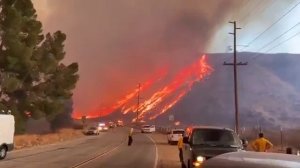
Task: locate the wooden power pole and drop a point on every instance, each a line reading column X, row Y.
column 235, row 64
column 138, row 103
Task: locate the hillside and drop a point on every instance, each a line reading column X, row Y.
column 268, row 92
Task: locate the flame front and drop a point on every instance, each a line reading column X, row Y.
column 182, row 82
column 163, row 99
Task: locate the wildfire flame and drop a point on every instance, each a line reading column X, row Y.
column 183, row 81
column 103, row 111
column 163, row 99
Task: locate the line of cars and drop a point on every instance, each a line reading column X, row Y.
column 96, row 128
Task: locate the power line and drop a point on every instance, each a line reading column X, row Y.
column 298, row 33
column 252, row 10
column 273, row 24
column 265, row 6
column 275, row 39
column 279, row 44
column 278, row 37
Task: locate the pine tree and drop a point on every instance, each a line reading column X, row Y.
column 34, row 82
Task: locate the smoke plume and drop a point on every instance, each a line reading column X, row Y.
column 121, row 43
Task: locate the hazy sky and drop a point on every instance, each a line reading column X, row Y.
column 121, row 43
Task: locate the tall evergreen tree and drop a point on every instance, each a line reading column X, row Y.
column 34, row 82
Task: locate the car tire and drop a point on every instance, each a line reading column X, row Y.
column 190, row 164
column 183, row 165
column 3, row 152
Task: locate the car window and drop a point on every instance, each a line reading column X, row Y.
column 146, row 126
column 213, row 136
column 178, row 132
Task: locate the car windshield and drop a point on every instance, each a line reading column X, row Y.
column 146, row 126
column 178, row 132
column 214, row 137
column 93, row 128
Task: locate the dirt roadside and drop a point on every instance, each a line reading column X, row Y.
column 27, row 141
column 167, row 154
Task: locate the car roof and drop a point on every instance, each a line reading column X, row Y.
column 253, row 160
column 177, row 129
column 211, row 127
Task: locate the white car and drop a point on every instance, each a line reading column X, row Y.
column 7, row 130
column 102, row 127
column 174, row 135
column 148, row 128
column 91, row 130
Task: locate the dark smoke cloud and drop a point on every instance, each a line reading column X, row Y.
column 120, row 43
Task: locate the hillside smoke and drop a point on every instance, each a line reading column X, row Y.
column 120, row 43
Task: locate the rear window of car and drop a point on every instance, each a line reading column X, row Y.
column 178, row 132
column 214, row 137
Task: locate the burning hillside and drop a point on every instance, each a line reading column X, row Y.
column 161, row 99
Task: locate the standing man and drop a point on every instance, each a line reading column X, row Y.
column 130, row 137
column 261, row 144
column 180, row 146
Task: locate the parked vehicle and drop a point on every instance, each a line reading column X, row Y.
column 120, row 123
column 91, row 130
column 203, row 143
column 112, row 124
column 148, row 128
column 7, row 130
column 174, row 135
column 102, row 126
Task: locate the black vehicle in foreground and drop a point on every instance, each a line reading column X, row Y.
column 203, row 143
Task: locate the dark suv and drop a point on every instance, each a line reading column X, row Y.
column 202, row 143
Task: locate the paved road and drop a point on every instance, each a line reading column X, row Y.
column 142, row 154
column 106, row 150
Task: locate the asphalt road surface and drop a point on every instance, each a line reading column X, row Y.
column 107, row 150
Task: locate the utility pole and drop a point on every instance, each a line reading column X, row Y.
column 235, row 64
column 138, row 103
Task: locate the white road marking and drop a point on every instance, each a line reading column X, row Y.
column 98, row 156
column 156, row 152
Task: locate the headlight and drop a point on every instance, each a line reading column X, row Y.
column 200, row 159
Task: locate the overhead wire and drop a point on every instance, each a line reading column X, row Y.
column 279, row 44
column 247, row 6
column 273, row 24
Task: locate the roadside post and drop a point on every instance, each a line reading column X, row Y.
column 171, row 119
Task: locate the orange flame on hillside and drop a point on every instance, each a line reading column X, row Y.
column 163, row 99
column 104, row 111
column 183, row 81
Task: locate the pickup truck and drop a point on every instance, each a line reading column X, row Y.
column 203, row 143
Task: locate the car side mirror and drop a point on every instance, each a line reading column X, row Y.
column 245, row 143
column 186, row 140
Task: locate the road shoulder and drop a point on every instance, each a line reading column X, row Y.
column 167, row 154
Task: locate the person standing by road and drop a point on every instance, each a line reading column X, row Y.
column 180, row 146
column 130, row 137
column 261, row 144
